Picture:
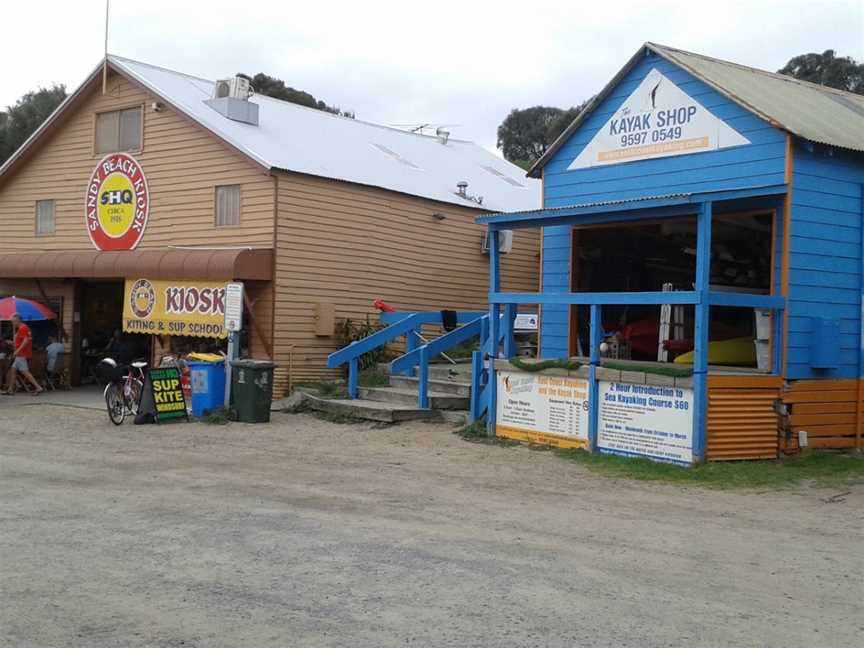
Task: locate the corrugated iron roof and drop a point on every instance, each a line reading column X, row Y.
column 589, row 205
column 807, row 110
column 295, row 138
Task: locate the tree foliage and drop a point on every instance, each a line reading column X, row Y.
column 18, row 122
column 526, row 133
column 276, row 88
column 843, row 73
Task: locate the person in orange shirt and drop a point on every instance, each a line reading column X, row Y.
column 21, row 355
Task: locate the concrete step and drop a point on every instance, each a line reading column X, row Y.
column 406, row 397
column 458, row 372
column 371, row 410
column 454, row 387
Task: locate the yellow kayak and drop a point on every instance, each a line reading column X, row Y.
column 738, row 351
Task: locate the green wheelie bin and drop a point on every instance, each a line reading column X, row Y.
column 252, row 389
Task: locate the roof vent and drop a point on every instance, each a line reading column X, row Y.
column 462, row 192
column 231, row 99
column 442, row 135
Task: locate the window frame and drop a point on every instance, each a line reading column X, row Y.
column 36, row 229
column 216, row 189
column 118, row 110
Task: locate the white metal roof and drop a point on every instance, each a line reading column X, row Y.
column 295, row 138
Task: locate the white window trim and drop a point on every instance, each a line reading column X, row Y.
column 53, row 230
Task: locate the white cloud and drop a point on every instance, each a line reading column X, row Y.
column 464, row 63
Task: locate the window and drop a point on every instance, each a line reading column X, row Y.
column 44, row 217
column 119, row 130
column 228, row 206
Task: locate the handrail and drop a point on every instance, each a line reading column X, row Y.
column 367, row 344
column 429, row 317
column 409, row 360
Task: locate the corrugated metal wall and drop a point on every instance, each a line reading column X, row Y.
column 742, row 422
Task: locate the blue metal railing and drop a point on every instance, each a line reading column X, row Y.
column 419, row 352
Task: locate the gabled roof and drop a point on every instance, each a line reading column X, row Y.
column 295, row 138
column 807, row 110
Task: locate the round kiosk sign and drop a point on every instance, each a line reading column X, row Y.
column 117, row 204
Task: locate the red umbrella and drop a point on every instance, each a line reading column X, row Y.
column 28, row 309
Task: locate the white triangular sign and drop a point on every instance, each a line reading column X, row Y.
column 657, row 120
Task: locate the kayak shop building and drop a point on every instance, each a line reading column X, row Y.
column 701, row 287
column 129, row 209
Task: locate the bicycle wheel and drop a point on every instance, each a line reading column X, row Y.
column 114, row 401
column 136, row 387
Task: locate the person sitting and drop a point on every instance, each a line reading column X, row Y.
column 20, row 356
column 52, row 351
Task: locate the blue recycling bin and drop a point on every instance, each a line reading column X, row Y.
column 208, row 386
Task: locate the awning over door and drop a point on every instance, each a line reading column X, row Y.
column 222, row 264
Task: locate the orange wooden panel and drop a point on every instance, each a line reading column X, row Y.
column 832, row 442
column 737, row 382
column 839, row 429
column 824, row 396
column 823, row 408
column 822, row 419
column 821, row 385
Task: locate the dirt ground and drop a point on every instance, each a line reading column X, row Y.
column 307, row 533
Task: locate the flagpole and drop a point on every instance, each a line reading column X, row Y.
column 105, row 57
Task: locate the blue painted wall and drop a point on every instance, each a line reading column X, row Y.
column 825, row 256
column 762, row 162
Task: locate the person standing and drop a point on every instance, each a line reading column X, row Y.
column 21, row 355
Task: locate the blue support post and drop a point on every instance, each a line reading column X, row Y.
column 476, row 384
column 509, row 338
column 595, row 337
column 412, row 341
column 353, row 375
column 423, row 382
column 494, row 324
column 700, row 337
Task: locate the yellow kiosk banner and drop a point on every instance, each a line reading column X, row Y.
column 174, row 308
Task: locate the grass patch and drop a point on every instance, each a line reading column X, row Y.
column 821, row 468
column 373, row 378
column 554, row 363
column 219, row 416
column 476, row 433
column 324, row 389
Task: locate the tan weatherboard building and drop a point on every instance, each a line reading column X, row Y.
column 315, row 213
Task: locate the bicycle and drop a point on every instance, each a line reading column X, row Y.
column 124, row 389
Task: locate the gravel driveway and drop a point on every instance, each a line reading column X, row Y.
column 307, row 533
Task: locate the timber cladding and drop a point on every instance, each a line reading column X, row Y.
column 349, row 244
column 183, row 164
column 830, row 411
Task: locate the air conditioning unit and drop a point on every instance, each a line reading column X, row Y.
column 222, row 89
column 505, row 242
column 238, row 87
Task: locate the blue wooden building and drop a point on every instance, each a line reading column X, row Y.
column 698, row 215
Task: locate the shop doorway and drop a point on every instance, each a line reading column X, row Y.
column 101, row 328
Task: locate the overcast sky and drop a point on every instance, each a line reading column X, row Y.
column 465, row 63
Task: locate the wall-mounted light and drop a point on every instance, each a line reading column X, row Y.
column 439, row 216
column 156, row 106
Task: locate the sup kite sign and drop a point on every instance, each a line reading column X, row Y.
column 657, row 120
column 117, row 203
